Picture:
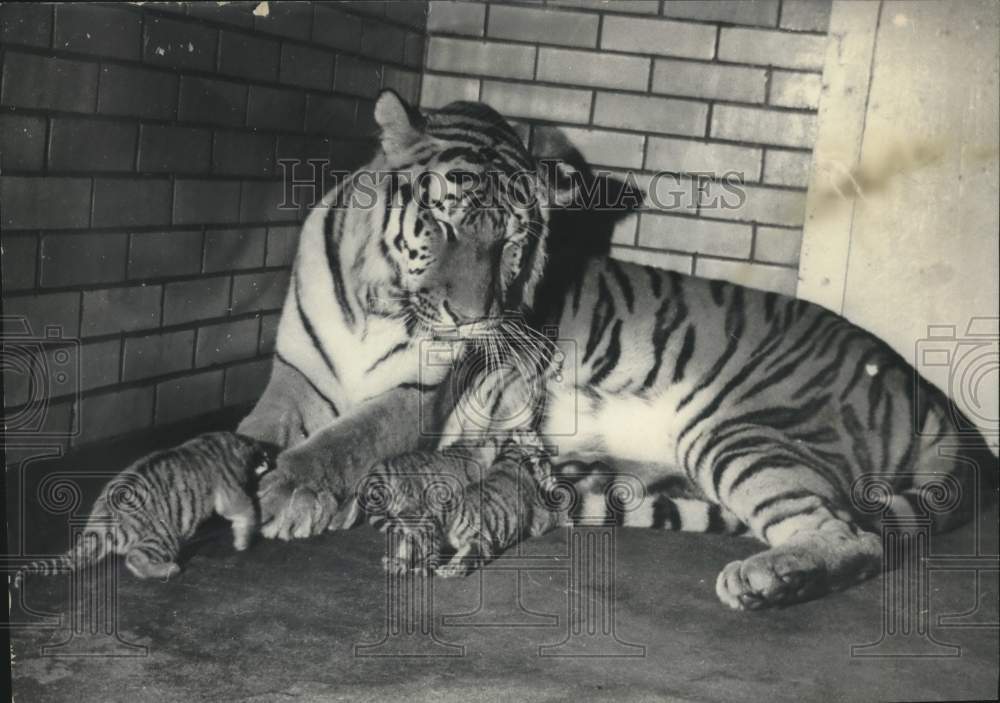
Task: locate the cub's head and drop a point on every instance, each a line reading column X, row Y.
column 454, row 232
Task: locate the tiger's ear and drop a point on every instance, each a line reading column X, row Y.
column 401, row 125
column 559, row 183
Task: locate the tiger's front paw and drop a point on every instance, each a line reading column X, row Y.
column 292, row 506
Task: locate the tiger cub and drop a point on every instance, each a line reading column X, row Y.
column 147, row 511
column 441, row 503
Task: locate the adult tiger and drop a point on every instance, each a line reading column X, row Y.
column 768, row 406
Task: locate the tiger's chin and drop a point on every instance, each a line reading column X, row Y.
column 487, row 327
column 478, row 330
column 483, row 329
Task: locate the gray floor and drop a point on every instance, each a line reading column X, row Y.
column 282, row 621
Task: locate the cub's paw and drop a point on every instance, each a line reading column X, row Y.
column 774, row 577
column 292, row 506
column 144, row 567
column 403, row 565
column 453, row 570
column 463, row 563
column 414, row 552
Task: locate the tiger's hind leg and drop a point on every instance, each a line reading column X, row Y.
column 815, row 546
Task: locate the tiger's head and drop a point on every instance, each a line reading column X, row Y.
column 455, row 235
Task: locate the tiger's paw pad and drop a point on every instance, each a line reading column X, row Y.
column 771, row 578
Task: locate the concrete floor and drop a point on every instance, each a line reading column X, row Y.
column 282, row 622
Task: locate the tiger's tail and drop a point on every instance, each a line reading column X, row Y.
column 659, row 511
column 661, row 507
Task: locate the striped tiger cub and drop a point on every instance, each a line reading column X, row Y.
column 791, row 420
column 148, row 510
column 460, row 507
column 471, row 503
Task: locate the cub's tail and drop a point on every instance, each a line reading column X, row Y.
column 91, row 549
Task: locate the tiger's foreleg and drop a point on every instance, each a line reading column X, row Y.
column 816, row 547
column 313, row 484
column 288, row 411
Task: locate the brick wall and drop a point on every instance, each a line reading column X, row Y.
column 648, row 87
column 139, row 185
column 140, row 150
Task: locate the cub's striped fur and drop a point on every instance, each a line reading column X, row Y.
column 465, row 504
column 148, row 511
column 462, row 506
